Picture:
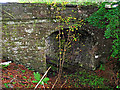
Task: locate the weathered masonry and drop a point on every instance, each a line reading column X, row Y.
column 27, row 31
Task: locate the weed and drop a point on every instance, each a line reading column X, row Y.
column 24, row 77
column 38, row 77
column 28, row 86
column 2, row 78
column 6, row 85
column 118, row 86
column 102, row 67
column 30, row 69
column 83, row 78
column 11, row 76
column 14, row 82
column 23, row 71
column 53, row 73
column 5, row 64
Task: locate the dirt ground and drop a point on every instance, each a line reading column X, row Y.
column 17, row 76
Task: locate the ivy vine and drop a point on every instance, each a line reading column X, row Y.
column 108, row 18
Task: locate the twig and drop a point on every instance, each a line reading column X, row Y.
column 54, row 83
column 60, row 54
column 61, row 63
column 63, row 84
column 43, row 85
column 42, row 77
column 12, row 80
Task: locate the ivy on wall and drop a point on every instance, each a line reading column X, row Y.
column 109, row 18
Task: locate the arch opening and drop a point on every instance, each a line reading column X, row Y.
column 81, row 53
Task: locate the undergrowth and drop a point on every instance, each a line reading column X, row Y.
column 85, row 79
column 103, row 18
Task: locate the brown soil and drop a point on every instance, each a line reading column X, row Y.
column 14, row 77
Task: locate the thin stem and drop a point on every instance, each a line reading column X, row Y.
column 42, row 78
column 63, row 83
column 55, row 83
column 60, row 54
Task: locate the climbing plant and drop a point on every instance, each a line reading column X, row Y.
column 109, row 18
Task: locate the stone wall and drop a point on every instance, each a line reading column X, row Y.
column 26, row 27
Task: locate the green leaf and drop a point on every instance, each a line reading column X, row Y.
column 23, row 71
column 35, row 81
column 24, row 77
column 102, row 67
column 42, row 83
column 14, row 82
column 37, row 76
column 11, row 76
column 118, row 86
column 45, row 79
column 6, row 85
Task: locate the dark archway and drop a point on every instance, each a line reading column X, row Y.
column 81, row 53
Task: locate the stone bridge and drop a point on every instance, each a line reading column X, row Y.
column 28, row 29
